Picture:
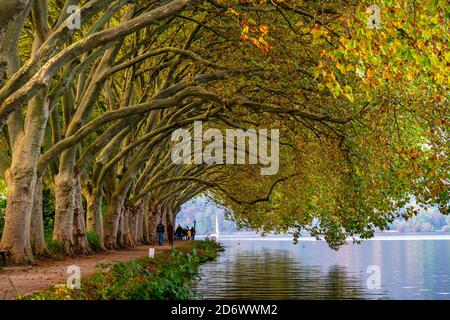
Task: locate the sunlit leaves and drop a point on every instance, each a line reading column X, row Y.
column 393, row 79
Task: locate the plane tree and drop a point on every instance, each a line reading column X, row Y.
column 89, row 112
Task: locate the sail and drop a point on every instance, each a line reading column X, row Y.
column 217, row 226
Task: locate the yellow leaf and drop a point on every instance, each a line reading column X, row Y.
column 264, row 29
column 232, row 11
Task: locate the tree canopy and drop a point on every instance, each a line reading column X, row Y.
column 361, row 105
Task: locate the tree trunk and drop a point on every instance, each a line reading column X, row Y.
column 132, row 227
column 16, row 232
column 140, row 223
column 37, row 222
column 153, row 222
column 95, row 217
column 21, row 181
column 127, row 233
column 79, row 225
column 64, row 208
column 136, row 224
column 113, row 215
column 163, row 219
column 145, row 225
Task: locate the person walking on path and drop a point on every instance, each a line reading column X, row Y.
column 160, row 233
column 189, row 234
column 179, row 233
column 170, row 233
column 192, row 233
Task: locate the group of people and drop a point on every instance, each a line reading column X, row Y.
column 181, row 233
column 185, row 233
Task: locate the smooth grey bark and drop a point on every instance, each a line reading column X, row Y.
column 94, row 215
column 79, row 224
column 37, row 222
column 136, row 223
column 65, row 200
column 115, row 207
column 145, row 223
column 140, row 223
column 21, row 181
column 28, row 137
column 133, row 225
column 64, row 209
column 112, row 220
column 10, row 63
column 163, row 219
column 154, row 217
column 122, row 237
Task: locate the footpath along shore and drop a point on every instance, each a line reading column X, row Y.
column 26, row 280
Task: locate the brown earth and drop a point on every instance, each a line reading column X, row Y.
column 25, row 280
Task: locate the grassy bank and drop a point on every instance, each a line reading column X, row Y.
column 165, row 277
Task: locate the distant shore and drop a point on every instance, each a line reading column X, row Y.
column 379, row 236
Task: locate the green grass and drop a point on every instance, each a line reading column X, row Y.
column 165, row 277
column 94, row 240
column 55, row 247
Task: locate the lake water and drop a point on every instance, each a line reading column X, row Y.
column 410, row 267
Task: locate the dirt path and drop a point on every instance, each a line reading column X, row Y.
column 29, row 279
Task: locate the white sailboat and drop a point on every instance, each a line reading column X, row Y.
column 215, row 235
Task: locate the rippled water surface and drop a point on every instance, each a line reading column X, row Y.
column 277, row 269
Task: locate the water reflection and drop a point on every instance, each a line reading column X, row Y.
column 281, row 270
column 272, row 273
